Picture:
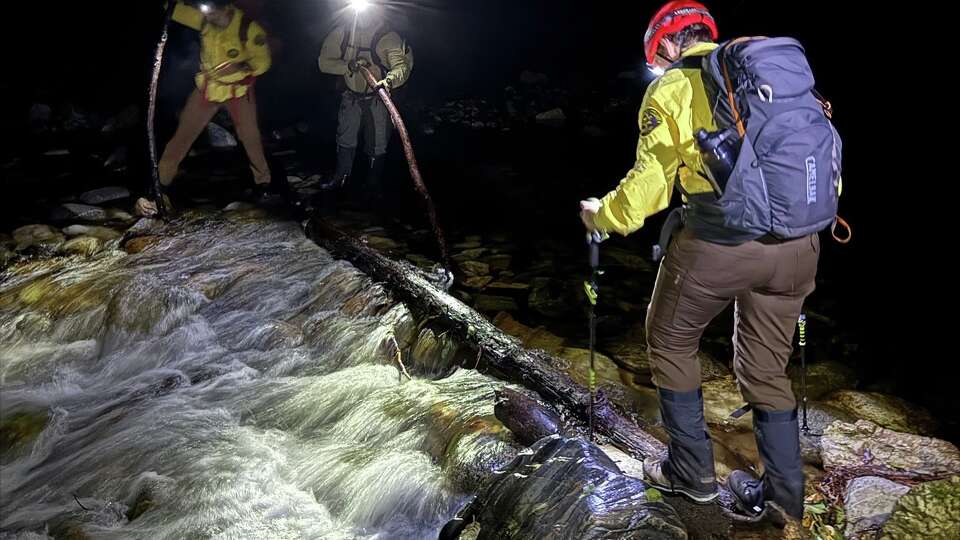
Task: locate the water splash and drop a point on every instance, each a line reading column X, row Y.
column 232, row 381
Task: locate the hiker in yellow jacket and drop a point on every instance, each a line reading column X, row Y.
column 767, row 277
column 233, row 53
column 368, row 42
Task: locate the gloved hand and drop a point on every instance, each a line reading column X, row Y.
column 385, row 84
column 354, row 65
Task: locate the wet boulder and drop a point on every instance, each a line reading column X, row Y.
column 566, row 489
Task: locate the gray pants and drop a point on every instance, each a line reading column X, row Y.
column 369, row 114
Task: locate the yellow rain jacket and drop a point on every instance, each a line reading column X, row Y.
column 339, row 48
column 222, row 47
column 674, row 108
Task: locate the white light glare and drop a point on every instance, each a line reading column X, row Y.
column 359, row 5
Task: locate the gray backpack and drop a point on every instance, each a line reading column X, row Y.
column 785, row 180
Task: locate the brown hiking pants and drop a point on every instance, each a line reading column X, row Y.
column 767, row 281
column 194, row 118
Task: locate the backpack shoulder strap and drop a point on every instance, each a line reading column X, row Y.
column 343, row 45
column 245, row 22
column 380, row 62
column 689, row 62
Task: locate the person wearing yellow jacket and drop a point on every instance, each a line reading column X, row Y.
column 364, row 41
column 233, row 53
column 767, row 279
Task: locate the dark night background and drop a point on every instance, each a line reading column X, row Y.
column 98, row 55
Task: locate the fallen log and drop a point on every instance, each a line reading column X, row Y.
column 535, row 369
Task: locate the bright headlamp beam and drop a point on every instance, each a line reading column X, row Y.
column 359, row 6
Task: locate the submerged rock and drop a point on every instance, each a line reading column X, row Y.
column 20, row 428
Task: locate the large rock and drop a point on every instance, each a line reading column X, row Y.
column 567, row 489
column 79, row 212
column 887, row 411
column 819, row 417
column 930, row 510
column 41, row 236
column 105, row 194
column 532, row 338
column 867, row 444
column 101, row 233
column 868, row 503
column 823, row 378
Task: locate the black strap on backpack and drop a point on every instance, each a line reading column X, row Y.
column 372, row 49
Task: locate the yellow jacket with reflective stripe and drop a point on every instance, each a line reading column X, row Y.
column 674, row 107
column 391, row 51
column 223, row 46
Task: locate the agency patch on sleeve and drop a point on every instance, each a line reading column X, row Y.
column 649, row 121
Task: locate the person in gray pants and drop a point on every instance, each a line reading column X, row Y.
column 372, row 44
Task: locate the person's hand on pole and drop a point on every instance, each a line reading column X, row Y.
column 588, row 212
column 355, row 64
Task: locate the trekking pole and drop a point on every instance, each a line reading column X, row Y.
column 802, row 323
column 156, row 188
column 592, row 289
